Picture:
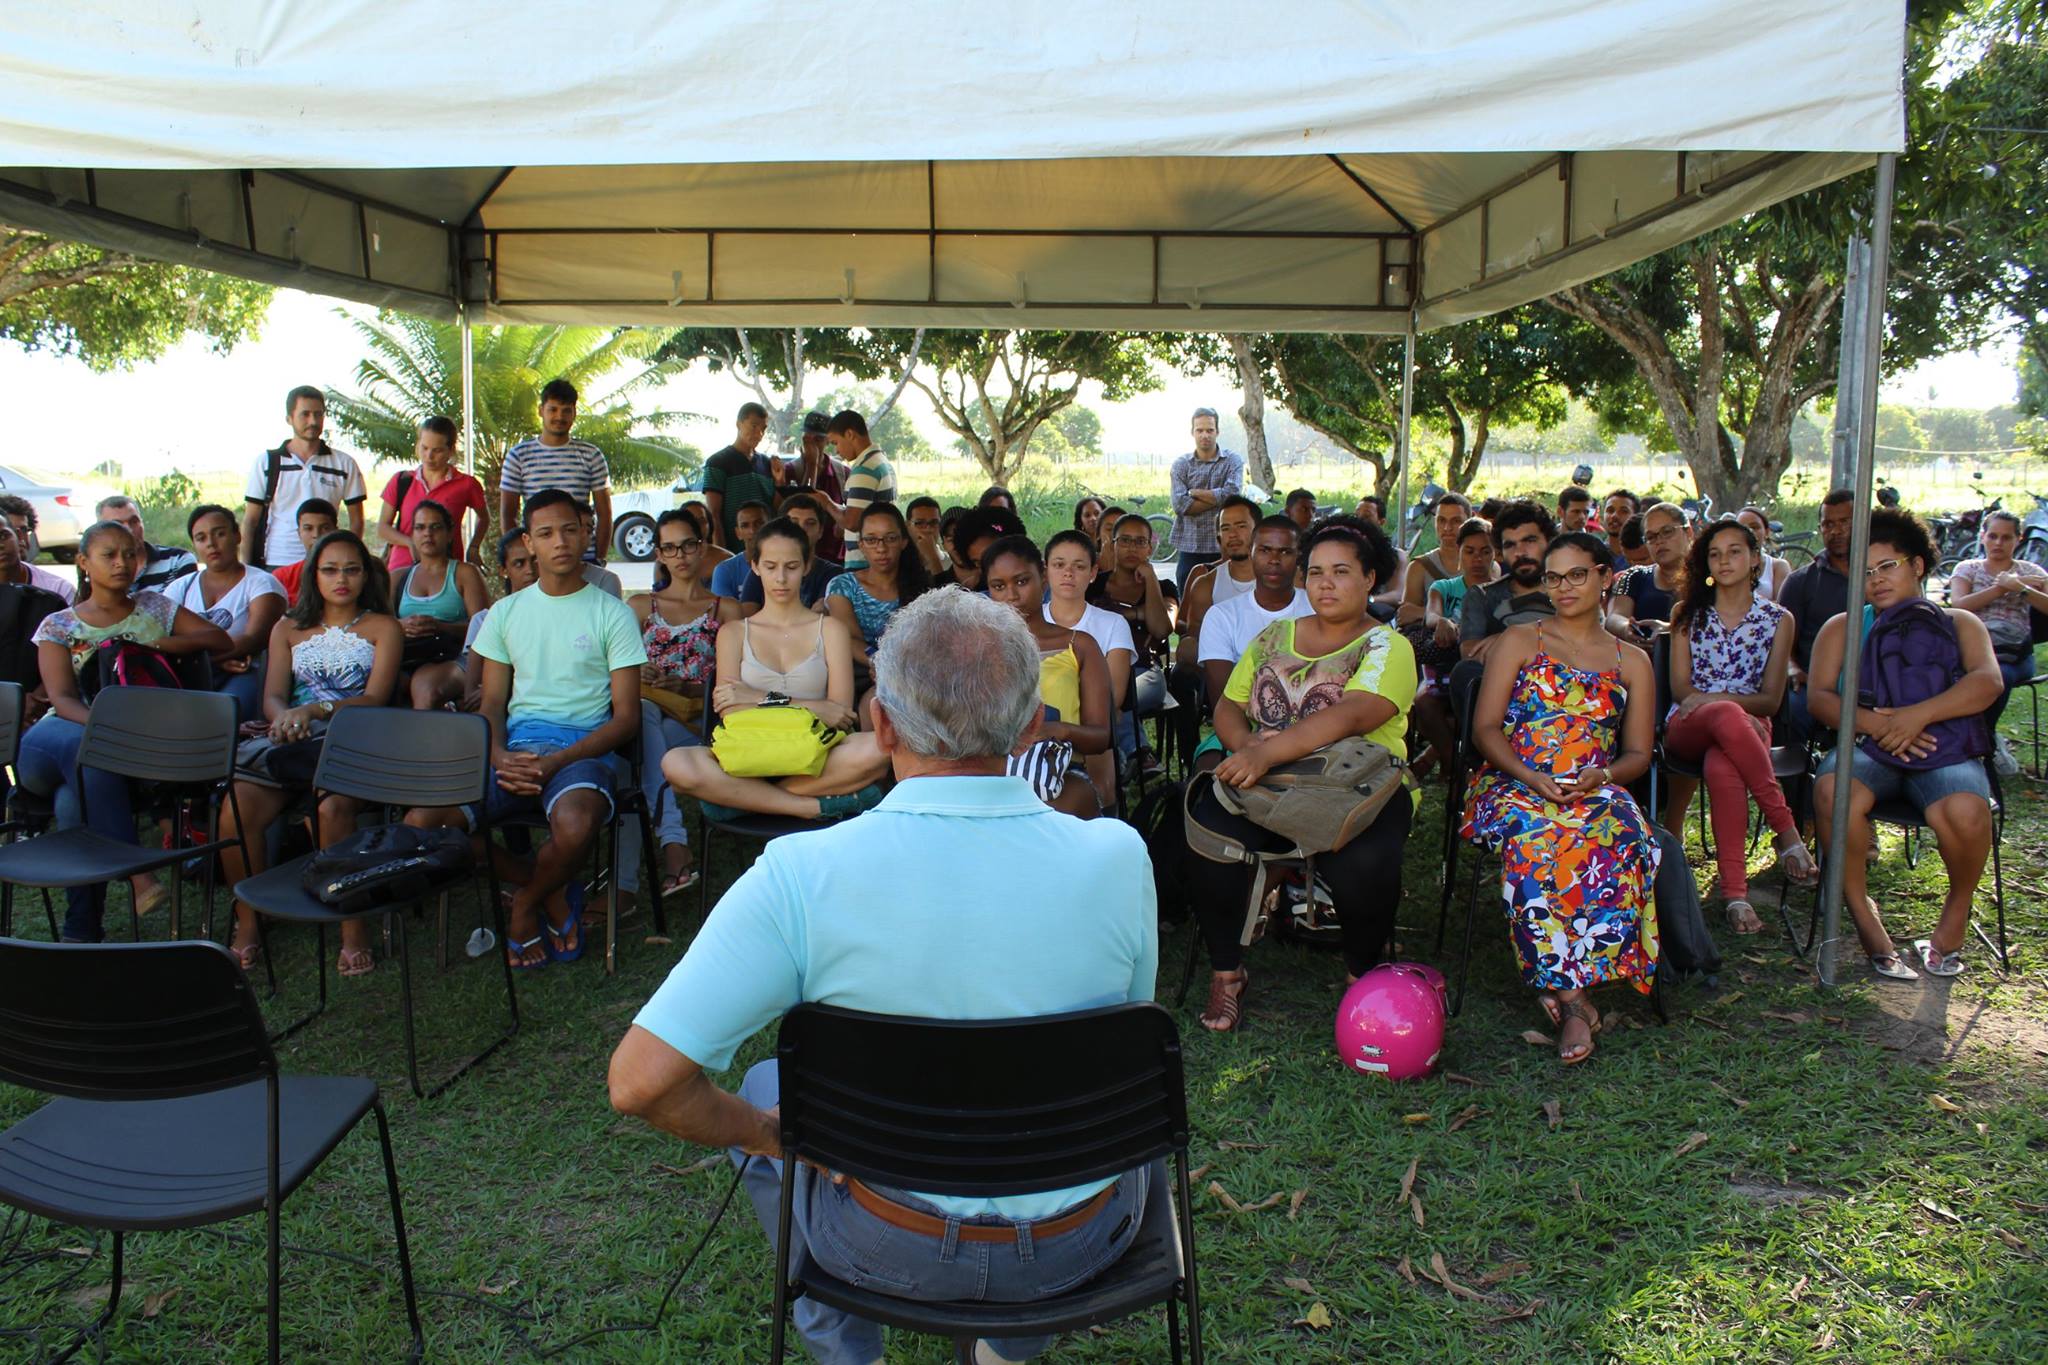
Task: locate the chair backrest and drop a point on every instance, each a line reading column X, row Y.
column 11, row 700
column 128, row 1021
column 1002, row 1106
column 397, row 757
column 156, row 734
column 1660, row 666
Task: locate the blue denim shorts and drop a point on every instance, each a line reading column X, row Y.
column 1922, row 788
column 601, row 775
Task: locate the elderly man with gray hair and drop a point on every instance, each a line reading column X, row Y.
column 960, row 896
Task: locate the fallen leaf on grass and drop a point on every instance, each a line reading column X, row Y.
column 1578, row 1195
column 2024, row 1207
column 1691, row 1145
column 1200, row 1171
column 704, row 1165
column 658, row 940
column 1299, row 1286
column 1527, row 1310
column 1729, row 998
column 1710, row 1021
column 1244, row 1146
column 83, row 1253
column 1913, row 1304
column 1465, row 1116
column 1442, row 1275
column 1554, row 1112
column 1405, row 1269
column 1826, row 1339
column 1294, row 1204
column 1537, row 1038
column 1268, row 1202
column 1798, row 1288
column 1408, row 1182
column 1507, row 1271
column 1983, row 1129
column 1422, row 1117
column 1789, row 1016
column 1944, row 1104
column 153, row 1304
column 1317, row 1318
column 1459, row 1078
column 2015, row 1243
column 1759, row 961
column 1938, row 1210
column 496, row 1289
column 1415, row 1208
column 1223, row 1197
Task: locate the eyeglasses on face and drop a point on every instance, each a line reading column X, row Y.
column 1663, row 535
column 1883, row 566
column 1575, row 577
column 676, row 549
column 1134, row 542
column 881, row 542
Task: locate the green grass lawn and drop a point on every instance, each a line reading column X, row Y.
column 1768, row 1178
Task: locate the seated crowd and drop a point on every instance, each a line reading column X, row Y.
column 808, row 645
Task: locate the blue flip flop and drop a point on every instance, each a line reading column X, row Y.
column 514, row 947
column 557, row 953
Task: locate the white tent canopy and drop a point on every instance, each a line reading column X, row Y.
column 1040, row 164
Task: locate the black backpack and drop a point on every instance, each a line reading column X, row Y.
column 385, row 865
column 22, row 608
column 1158, row 817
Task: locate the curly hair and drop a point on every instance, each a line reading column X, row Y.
column 1696, row 590
column 1905, row 533
column 1368, row 542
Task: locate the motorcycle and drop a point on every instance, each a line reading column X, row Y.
column 2034, row 532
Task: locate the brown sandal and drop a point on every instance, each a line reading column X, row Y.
column 1225, row 1004
column 1585, row 1014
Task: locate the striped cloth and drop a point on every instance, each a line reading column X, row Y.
column 871, row 478
column 576, row 467
column 1044, row 765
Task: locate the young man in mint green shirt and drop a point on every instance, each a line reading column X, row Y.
column 561, row 690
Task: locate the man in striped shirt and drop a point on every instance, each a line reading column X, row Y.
column 869, row 478
column 555, row 460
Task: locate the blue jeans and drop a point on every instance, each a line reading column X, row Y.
column 854, row 1245
column 48, row 766
column 1186, row 562
column 2014, row 674
column 659, row 732
column 1922, row 788
column 246, row 689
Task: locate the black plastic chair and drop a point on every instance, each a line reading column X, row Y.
column 171, row 1110
column 399, row 760
column 26, row 813
column 183, row 741
column 1048, row 1103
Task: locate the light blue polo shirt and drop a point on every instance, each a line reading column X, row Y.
column 955, row 898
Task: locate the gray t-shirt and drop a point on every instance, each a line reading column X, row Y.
column 1501, row 604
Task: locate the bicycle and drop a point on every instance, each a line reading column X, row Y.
column 1161, row 524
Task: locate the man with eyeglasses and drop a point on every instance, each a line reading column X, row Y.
column 925, row 520
column 1641, row 603
column 1815, row 595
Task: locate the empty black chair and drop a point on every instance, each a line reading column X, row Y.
column 171, row 1110
column 26, row 813
column 1048, row 1103
column 399, row 760
column 181, row 740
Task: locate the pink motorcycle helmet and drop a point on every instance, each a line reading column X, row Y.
column 1391, row 1022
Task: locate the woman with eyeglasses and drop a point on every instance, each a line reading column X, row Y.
column 1133, row 591
column 1730, row 649
column 1925, row 677
column 864, row 599
column 1643, row 595
column 1564, row 720
column 679, row 623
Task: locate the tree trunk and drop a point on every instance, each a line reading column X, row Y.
column 1258, row 461
column 909, row 364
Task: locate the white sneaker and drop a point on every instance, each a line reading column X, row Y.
column 2003, row 758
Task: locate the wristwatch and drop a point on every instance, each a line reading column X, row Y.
column 327, row 710
column 775, row 699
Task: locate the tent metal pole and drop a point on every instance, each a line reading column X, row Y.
column 1872, row 317
column 468, row 389
column 1400, row 514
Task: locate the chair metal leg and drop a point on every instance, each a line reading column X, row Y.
column 412, row 1056
column 273, row 1215
column 611, row 904
column 412, row 1306
column 650, row 875
column 1451, row 843
column 105, row 1319
column 1465, row 953
column 1999, row 951
column 319, row 971
column 1189, row 1281
column 1187, row 971
column 780, row 1252
column 1173, row 1329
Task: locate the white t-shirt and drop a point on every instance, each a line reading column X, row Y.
column 230, row 611
column 333, row 475
column 1228, row 630
column 1107, row 629
column 40, row 577
column 1225, row 587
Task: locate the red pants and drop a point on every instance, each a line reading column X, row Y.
column 1733, row 749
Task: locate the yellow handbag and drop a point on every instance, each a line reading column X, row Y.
column 777, row 740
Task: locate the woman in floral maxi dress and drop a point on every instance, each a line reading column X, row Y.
column 1564, row 722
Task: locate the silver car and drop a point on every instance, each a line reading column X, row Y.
column 633, row 516
column 62, row 510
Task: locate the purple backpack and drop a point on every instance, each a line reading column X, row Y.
column 1911, row 653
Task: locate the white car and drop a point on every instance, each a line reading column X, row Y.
column 63, row 511
column 633, row 516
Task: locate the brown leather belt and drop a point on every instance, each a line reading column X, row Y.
column 917, row 1220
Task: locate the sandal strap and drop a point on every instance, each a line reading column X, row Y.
column 1226, row 1004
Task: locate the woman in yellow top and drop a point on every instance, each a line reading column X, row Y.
column 1303, row 685
column 1073, row 682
